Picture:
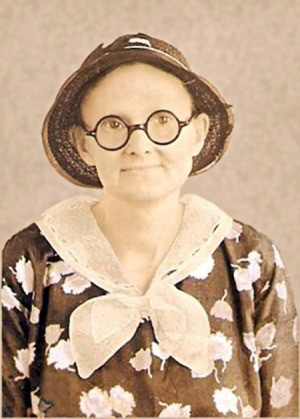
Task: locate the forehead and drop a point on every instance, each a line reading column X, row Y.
column 137, row 85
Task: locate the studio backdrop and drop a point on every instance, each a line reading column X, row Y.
column 248, row 49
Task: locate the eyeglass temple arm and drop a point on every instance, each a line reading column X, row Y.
column 184, row 123
column 91, row 132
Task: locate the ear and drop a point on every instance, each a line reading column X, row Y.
column 201, row 123
column 79, row 141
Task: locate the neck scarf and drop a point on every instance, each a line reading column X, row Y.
column 100, row 326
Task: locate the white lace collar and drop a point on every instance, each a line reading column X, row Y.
column 73, row 232
column 100, row 326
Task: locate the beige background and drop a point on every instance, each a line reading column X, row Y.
column 247, row 48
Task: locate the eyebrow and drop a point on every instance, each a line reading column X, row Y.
column 122, row 116
column 128, row 121
column 87, row 128
column 125, row 118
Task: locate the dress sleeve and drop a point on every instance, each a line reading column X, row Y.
column 277, row 338
column 17, row 352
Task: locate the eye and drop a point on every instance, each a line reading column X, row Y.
column 112, row 124
column 163, row 119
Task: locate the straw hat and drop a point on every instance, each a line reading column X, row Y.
column 64, row 113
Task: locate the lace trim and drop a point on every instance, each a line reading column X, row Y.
column 73, row 232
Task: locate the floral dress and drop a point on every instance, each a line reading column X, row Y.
column 66, row 357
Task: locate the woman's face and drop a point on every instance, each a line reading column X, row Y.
column 133, row 93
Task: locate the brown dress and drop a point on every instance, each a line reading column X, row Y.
column 236, row 275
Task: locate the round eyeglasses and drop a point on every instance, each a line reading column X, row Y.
column 162, row 127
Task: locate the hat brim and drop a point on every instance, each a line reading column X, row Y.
column 58, row 143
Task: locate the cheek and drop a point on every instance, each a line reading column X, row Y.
column 178, row 166
column 180, row 152
column 104, row 165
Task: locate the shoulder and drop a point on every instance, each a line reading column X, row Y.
column 248, row 235
column 244, row 238
column 29, row 243
column 247, row 247
column 24, row 263
column 258, row 268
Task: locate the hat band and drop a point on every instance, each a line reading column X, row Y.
column 159, row 51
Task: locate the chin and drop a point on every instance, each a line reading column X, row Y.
column 144, row 193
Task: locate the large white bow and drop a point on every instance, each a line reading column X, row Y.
column 102, row 325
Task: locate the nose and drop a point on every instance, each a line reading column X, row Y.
column 139, row 143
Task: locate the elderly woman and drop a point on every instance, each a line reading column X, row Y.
column 143, row 303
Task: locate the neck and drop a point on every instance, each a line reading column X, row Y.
column 145, row 228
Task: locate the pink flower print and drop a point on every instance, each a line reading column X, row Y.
column 55, row 271
column 247, row 411
column 263, row 340
column 281, row 391
column 24, row 274
column 244, row 277
column 75, row 284
column 222, row 348
column 225, row 400
column 175, row 410
column 121, row 401
column 204, row 269
column 221, row 309
column 157, row 351
column 24, row 358
column 99, row 403
column 95, row 403
column 142, row 360
column 235, row 232
column 9, row 299
column 34, row 315
column 281, row 290
column 277, row 257
column 295, row 330
column 52, row 334
column 61, row 356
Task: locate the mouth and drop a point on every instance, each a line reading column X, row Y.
column 134, row 168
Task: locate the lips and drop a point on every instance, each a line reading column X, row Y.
column 139, row 168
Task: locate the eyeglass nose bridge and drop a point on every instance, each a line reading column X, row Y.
column 135, row 127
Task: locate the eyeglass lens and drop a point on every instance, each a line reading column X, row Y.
column 161, row 127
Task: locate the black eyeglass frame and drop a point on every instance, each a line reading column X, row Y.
column 131, row 128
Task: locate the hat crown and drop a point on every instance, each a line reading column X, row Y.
column 137, row 41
